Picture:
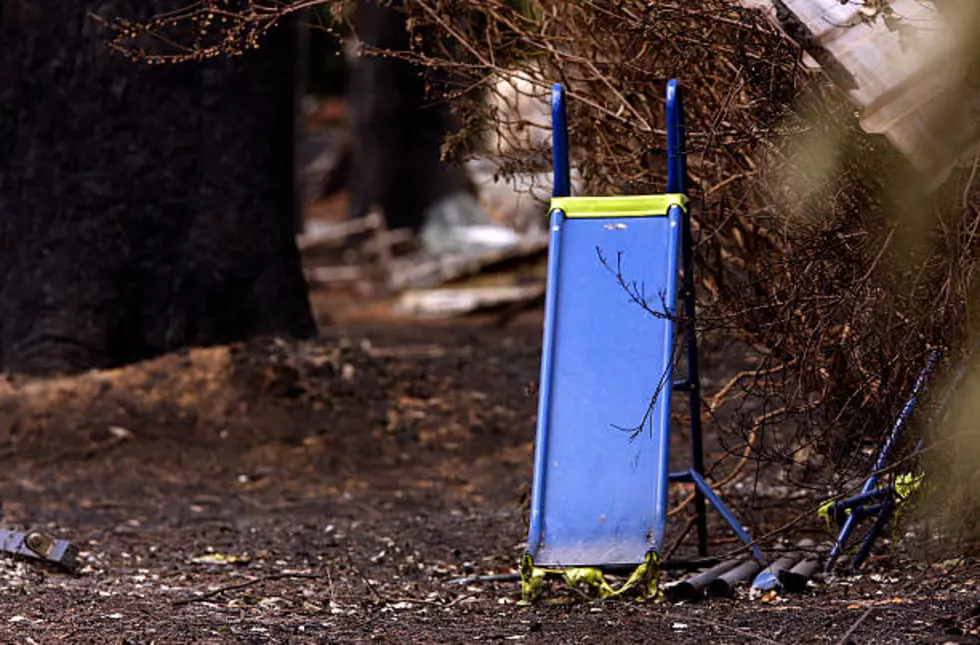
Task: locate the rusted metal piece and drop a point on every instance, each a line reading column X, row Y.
column 36, row 545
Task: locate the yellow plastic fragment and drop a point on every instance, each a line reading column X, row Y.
column 824, row 512
column 643, row 583
column 221, row 558
column 906, row 485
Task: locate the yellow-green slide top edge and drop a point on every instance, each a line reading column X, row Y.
column 619, row 205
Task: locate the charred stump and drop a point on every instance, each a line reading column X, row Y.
column 142, row 208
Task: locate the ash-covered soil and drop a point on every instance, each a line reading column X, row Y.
column 349, row 480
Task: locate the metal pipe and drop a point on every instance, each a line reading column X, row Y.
column 795, row 580
column 693, row 588
column 769, row 578
column 864, row 512
column 724, row 585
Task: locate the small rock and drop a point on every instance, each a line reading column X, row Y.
column 120, row 432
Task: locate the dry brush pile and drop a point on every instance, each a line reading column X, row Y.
column 814, row 247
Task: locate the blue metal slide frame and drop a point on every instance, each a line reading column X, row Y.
column 882, row 499
column 633, row 538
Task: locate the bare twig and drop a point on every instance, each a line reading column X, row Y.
column 248, row 583
column 723, row 627
column 846, row 638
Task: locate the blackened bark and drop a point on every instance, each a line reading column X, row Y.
column 142, row 209
column 397, row 130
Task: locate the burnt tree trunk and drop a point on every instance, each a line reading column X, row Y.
column 397, row 129
column 142, row 209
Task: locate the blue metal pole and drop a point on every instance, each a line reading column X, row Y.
column 884, row 514
column 726, row 514
column 536, row 524
column 675, row 139
column 661, row 487
column 857, row 500
column 559, row 143
column 677, row 183
column 872, row 481
column 900, row 421
column 874, row 509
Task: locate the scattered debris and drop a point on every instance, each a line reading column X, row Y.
column 333, row 495
column 496, row 577
column 242, row 585
column 795, row 580
column 121, row 433
column 447, row 302
column 769, row 578
column 530, row 253
column 39, row 546
column 221, row 558
column 364, row 255
column 351, row 251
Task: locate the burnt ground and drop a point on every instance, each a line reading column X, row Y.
column 354, row 477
